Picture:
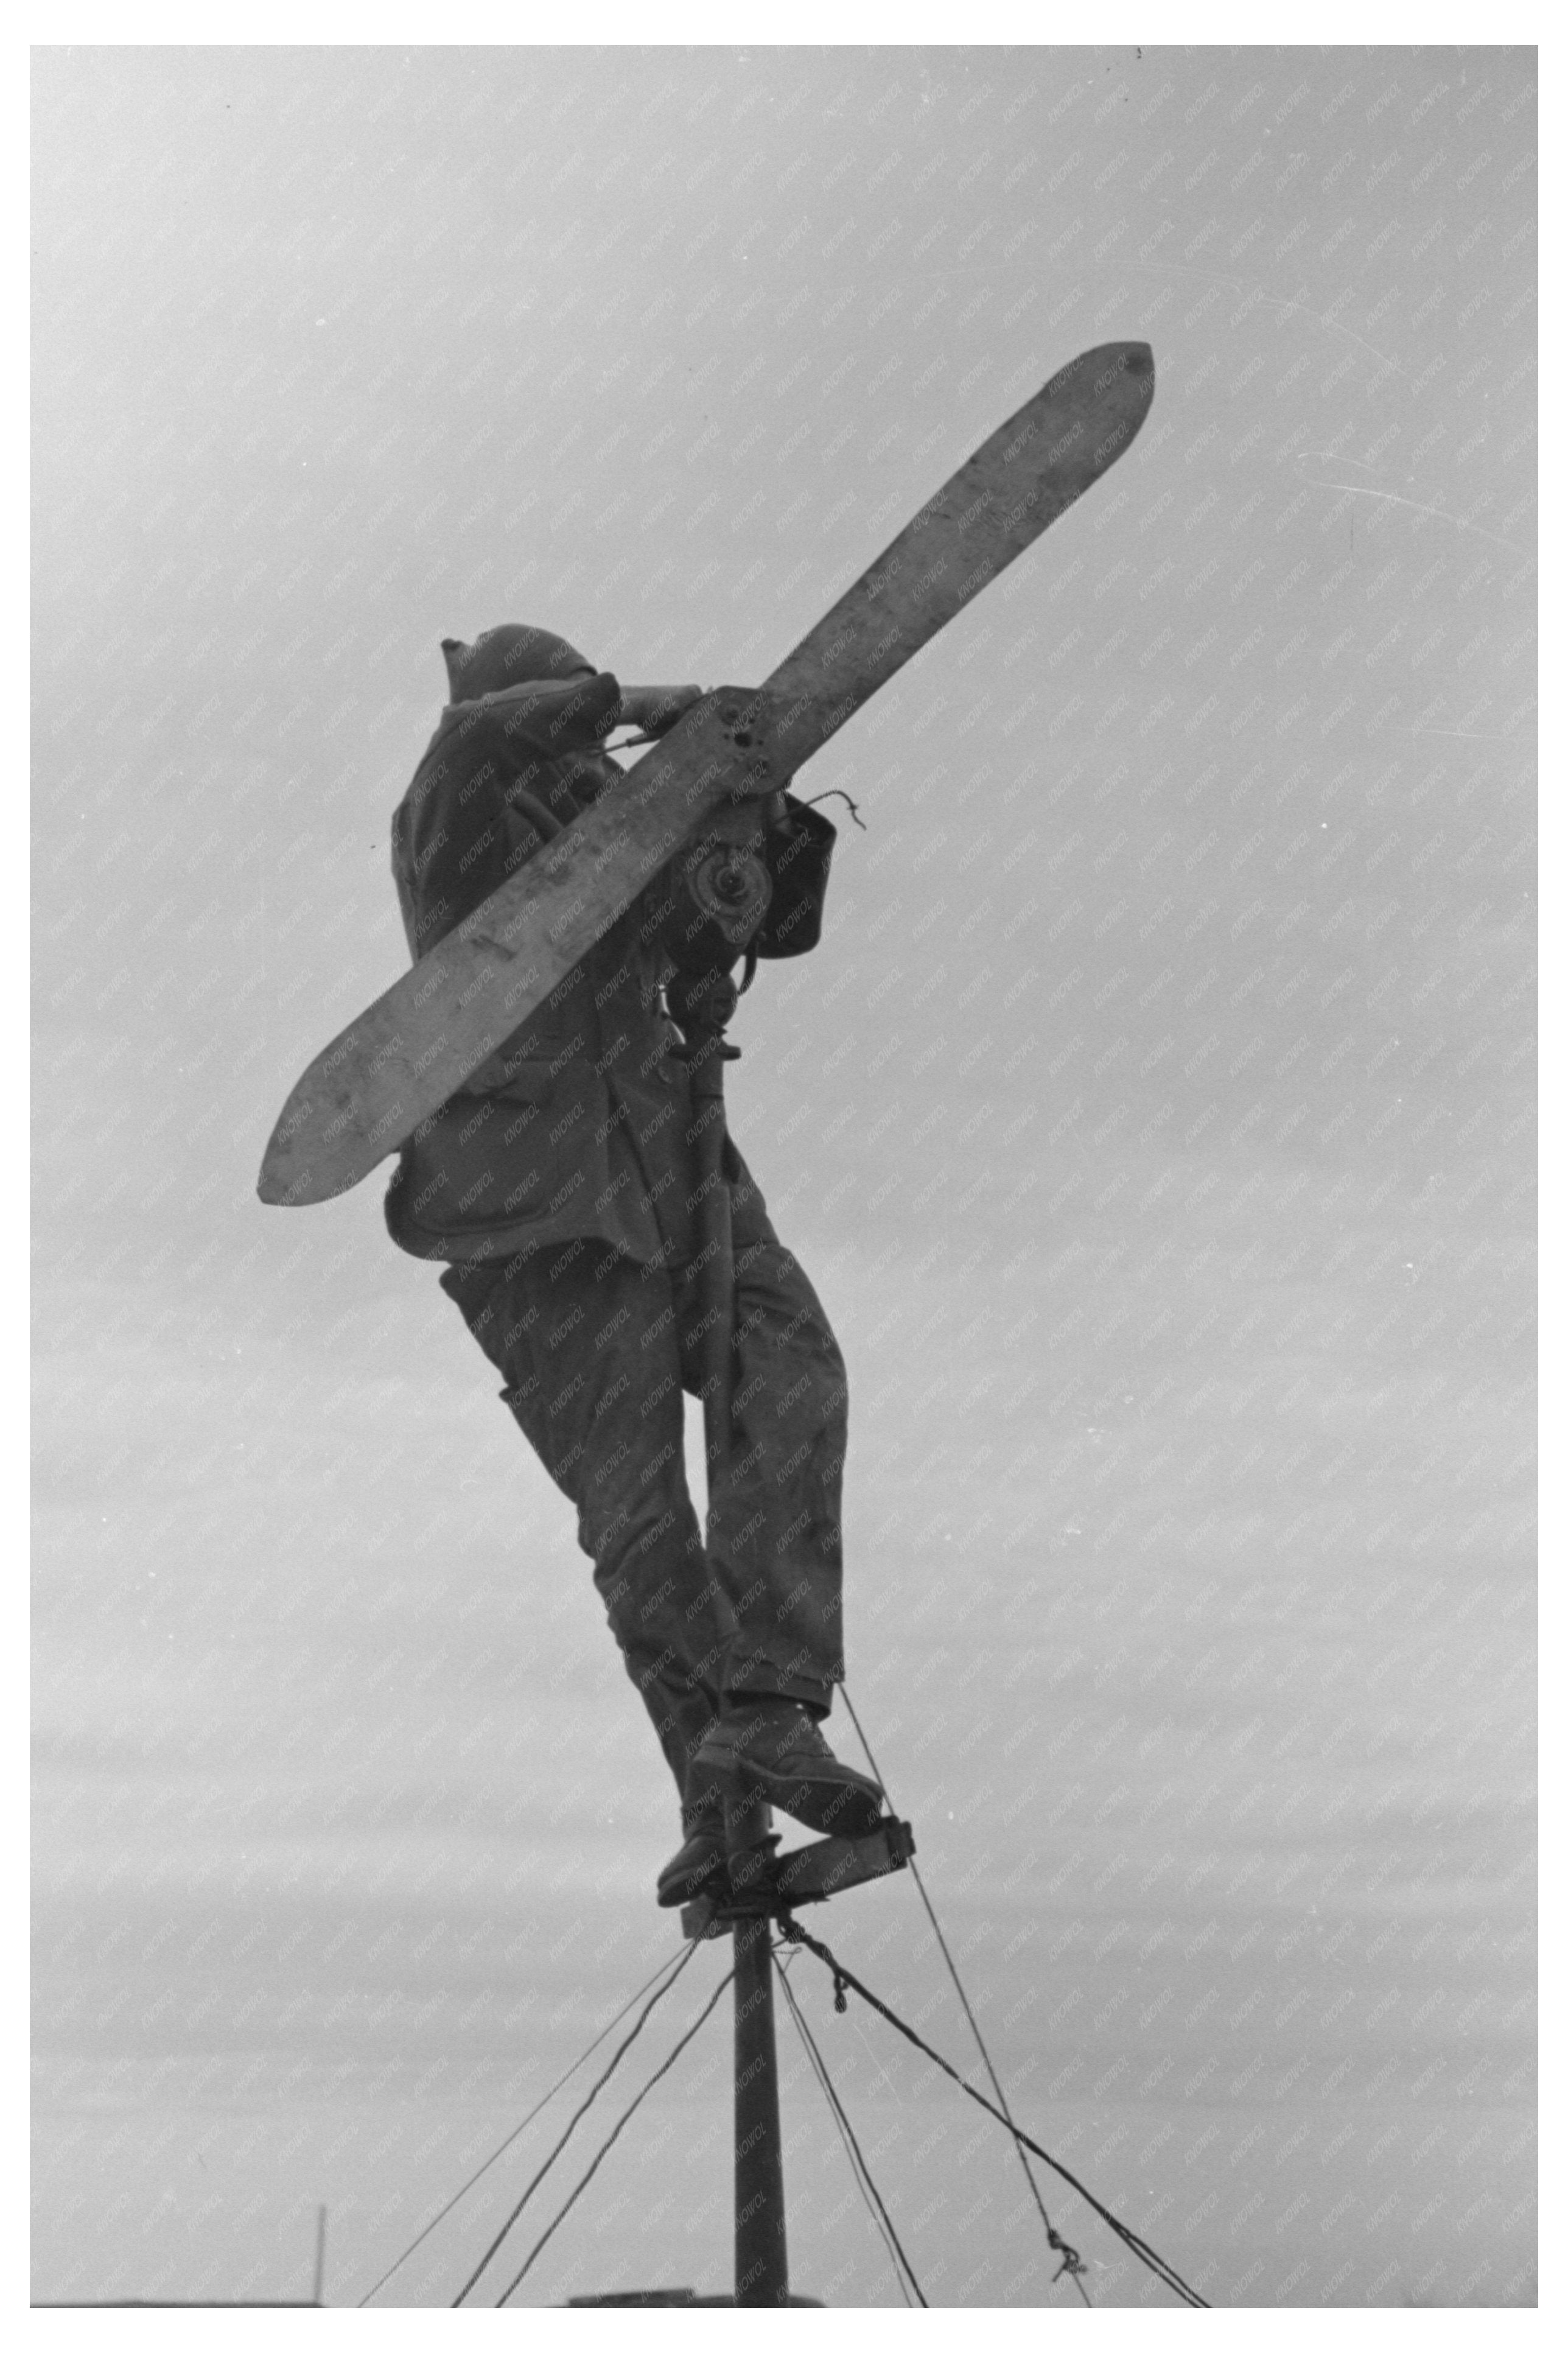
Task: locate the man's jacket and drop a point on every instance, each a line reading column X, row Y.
column 577, row 1124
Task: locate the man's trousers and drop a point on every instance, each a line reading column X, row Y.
column 597, row 1352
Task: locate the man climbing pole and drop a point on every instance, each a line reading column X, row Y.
column 561, row 1185
column 532, row 1080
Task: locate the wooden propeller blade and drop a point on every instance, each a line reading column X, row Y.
column 367, row 1092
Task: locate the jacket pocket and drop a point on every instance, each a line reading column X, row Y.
column 486, row 1160
column 525, row 1161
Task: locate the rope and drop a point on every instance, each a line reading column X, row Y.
column 857, row 2165
column 843, row 1978
column 512, row 2135
column 539, row 2243
column 835, row 2108
column 1071, row 2261
column 571, row 2127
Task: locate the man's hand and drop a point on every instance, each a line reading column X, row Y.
column 656, row 709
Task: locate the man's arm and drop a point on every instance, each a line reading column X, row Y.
column 655, row 709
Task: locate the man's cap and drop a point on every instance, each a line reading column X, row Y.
column 508, row 656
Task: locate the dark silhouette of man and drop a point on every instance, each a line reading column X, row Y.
column 560, row 1187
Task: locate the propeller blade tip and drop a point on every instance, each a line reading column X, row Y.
column 283, row 1186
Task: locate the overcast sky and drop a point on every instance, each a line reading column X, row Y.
column 1154, row 1121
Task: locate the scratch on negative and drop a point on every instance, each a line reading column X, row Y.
column 1394, row 498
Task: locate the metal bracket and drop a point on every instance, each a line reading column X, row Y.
column 749, row 720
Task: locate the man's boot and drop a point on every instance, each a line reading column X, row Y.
column 698, row 1869
column 773, row 1747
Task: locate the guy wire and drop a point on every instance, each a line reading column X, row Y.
column 517, row 2129
column 857, row 2166
column 539, row 2243
column 571, row 2128
column 1072, row 2261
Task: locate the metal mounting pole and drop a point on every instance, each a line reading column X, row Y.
column 703, row 1007
column 761, row 2261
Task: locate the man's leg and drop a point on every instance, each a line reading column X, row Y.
column 774, row 1538
column 587, row 1343
column 774, row 1531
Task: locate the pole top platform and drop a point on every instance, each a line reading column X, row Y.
column 774, row 1883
